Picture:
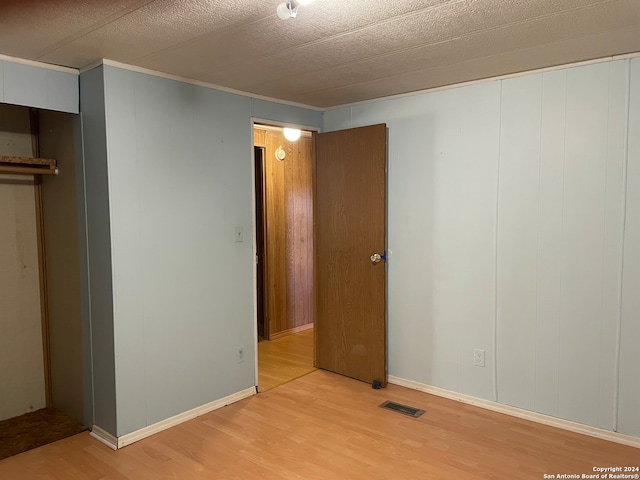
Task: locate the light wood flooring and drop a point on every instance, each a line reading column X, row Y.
column 284, row 359
column 324, row 426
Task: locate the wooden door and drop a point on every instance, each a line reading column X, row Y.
column 350, row 207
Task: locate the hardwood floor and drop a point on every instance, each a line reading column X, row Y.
column 325, row 426
column 284, row 359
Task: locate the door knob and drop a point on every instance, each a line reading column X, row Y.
column 375, row 258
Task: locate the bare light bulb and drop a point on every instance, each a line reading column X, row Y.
column 283, row 11
column 288, row 9
column 292, row 134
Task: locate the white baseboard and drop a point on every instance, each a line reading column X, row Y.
column 104, row 437
column 119, row 442
column 145, row 432
column 520, row 413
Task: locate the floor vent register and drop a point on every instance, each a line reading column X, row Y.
column 403, row 409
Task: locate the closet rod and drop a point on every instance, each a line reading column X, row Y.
column 28, row 165
column 28, row 170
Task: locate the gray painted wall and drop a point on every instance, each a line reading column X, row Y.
column 629, row 413
column 37, row 87
column 176, row 182
column 507, row 201
column 166, row 293
column 264, row 110
column 94, row 189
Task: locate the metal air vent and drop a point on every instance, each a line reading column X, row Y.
column 403, row 409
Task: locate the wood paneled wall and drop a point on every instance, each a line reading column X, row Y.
column 289, row 232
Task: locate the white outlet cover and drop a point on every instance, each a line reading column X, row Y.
column 478, row 358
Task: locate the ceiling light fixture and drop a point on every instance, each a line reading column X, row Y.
column 292, row 134
column 287, row 10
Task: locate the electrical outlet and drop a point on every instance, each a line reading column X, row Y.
column 240, row 354
column 478, row 357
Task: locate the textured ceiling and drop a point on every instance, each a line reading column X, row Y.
column 335, row 52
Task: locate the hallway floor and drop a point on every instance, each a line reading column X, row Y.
column 284, row 359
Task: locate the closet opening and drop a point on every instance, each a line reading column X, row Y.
column 41, row 390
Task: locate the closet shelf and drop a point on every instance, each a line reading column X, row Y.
column 28, row 165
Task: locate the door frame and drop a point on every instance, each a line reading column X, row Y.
column 260, row 225
column 273, row 123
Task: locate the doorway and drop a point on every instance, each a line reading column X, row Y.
column 341, row 289
column 284, row 255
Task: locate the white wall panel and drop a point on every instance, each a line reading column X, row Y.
column 32, row 86
column 180, row 181
column 126, row 246
column 337, row 119
column 442, row 173
column 265, row 110
column 420, row 197
column 410, row 198
column 518, row 191
column 558, row 196
column 549, row 234
column 618, row 93
column 95, row 193
column 431, row 257
column 582, row 241
column 476, row 226
column 629, row 413
column 180, row 178
column 25, row 85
